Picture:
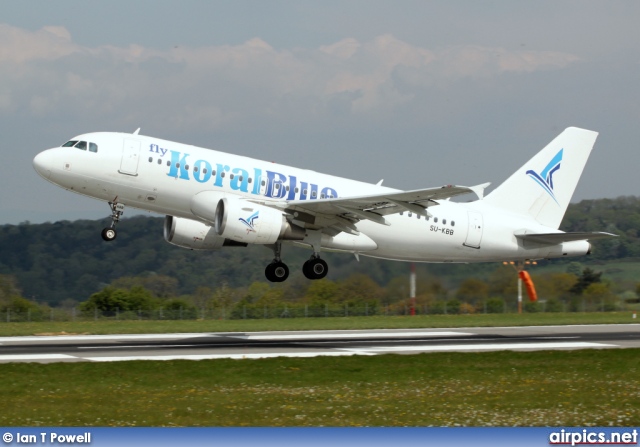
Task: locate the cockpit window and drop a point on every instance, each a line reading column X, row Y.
column 70, row 143
column 82, row 145
column 93, row 147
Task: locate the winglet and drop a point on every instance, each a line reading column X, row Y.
column 137, row 131
column 380, row 182
column 478, row 190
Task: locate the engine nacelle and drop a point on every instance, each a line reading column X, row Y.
column 572, row 248
column 187, row 233
column 247, row 222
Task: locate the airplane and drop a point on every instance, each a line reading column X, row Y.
column 213, row 200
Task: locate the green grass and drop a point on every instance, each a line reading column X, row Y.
column 381, row 322
column 558, row 388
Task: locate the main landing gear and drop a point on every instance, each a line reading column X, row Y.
column 109, row 233
column 277, row 271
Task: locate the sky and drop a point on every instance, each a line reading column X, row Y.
column 418, row 93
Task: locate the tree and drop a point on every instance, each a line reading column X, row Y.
column 472, row 290
column 574, row 268
column 8, row 287
column 587, row 278
column 503, row 282
column 111, row 299
column 359, row 288
column 322, row 291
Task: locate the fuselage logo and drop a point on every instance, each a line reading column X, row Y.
column 545, row 178
column 250, row 221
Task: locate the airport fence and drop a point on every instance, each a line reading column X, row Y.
column 321, row 310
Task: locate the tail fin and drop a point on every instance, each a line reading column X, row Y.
column 543, row 187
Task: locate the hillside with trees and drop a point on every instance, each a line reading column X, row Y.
column 65, row 262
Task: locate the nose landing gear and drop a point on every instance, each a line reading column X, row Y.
column 109, row 233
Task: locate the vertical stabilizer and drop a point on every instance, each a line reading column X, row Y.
column 543, row 187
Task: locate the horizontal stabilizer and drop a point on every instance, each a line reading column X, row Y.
column 559, row 238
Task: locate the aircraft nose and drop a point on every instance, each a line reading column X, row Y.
column 43, row 163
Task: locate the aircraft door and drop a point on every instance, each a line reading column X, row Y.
column 474, row 232
column 130, row 157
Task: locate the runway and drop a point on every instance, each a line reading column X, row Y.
column 256, row 345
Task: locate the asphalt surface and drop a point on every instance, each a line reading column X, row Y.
column 198, row 346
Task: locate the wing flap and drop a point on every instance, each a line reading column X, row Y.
column 380, row 204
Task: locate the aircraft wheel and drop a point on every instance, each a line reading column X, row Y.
column 315, row 268
column 277, row 272
column 109, row 234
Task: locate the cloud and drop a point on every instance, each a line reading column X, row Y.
column 46, row 74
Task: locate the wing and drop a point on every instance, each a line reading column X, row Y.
column 340, row 214
column 558, row 238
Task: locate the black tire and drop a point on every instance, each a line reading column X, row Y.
column 276, row 272
column 109, row 234
column 315, row 269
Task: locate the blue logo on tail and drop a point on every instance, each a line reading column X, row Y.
column 545, row 178
column 250, row 221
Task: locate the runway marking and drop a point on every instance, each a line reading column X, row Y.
column 225, row 356
column 9, row 358
column 352, row 335
column 104, row 337
column 481, row 347
column 138, row 346
column 353, row 351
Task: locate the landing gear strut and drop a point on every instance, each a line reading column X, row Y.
column 277, row 271
column 109, row 233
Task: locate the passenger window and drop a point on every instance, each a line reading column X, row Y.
column 410, row 214
column 70, row 143
column 262, row 183
column 313, row 194
column 82, row 145
column 195, row 169
column 444, row 221
column 402, row 213
column 204, row 170
column 93, row 147
column 240, row 178
column 159, row 161
column 249, row 179
column 150, row 159
column 453, row 223
column 322, row 196
column 231, row 176
column 168, row 163
column 435, row 219
column 297, row 190
column 222, row 174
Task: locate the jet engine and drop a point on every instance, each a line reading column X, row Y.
column 247, row 222
column 187, row 233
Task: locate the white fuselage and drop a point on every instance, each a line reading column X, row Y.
column 163, row 176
